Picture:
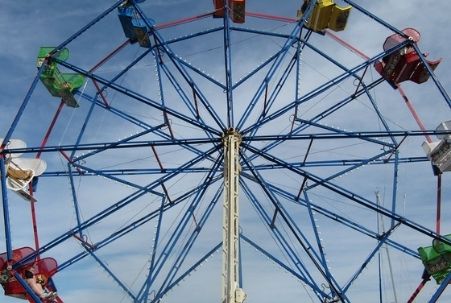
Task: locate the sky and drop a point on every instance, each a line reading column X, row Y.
column 28, row 26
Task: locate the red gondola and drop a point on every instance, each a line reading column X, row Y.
column 404, row 64
column 44, row 268
column 237, row 10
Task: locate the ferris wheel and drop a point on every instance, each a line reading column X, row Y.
column 237, row 151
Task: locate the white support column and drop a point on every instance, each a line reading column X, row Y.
column 231, row 293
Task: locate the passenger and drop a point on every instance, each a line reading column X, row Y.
column 36, row 286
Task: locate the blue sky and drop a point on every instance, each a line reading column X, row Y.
column 28, row 26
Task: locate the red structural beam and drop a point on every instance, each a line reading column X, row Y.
column 417, row 291
column 271, row 17
column 182, row 21
column 110, row 55
column 103, row 61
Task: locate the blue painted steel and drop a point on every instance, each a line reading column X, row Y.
column 91, row 146
column 395, row 187
column 325, row 163
column 316, row 233
column 193, row 35
column 83, row 129
column 112, row 209
column 175, row 267
column 132, row 226
column 228, row 69
column 297, row 88
column 158, row 61
column 378, row 112
column 212, row 133
column 341, row 173
column 376, row 18
column 338, row 135
column 441, row 289
column 379, row 268
column 181, row 226
column 184, row 97
column 117, row 143
column 302, row 272
column 351, row 196
column 189, row 271
column 258, row 68
column 260, row 32
column 86, row 27
column 139, row 123
column 432, row 74
column 331, row 59
column 298, row 235
column 139, row 97
column 125, row 70
column 6, row 221
column 323, row 88
column 279, row 208
column 318, row 117
column 338, row 218
column 199, row 72
column 160, row 41
column 346, row 133
column 146, row 289
column 269, row 75
column 115, row 111
column 317, row 290
column 75, row 200
column 112, row 275
column 23, row 105
column 196, row 141
column 372, row 254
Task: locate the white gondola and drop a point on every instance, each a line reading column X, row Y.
column 439, row 152
column 21, row 171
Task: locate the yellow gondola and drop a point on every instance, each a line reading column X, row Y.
column 326, row 14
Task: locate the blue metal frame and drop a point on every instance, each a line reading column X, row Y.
column 132, row 226
column 171, row 71
column 111, row 209
column 351, row 196
column 299, row 237
column 175, row 237
column 171, row 275
column 338, row 218
column 441, row 289
column 432, row 74
column 301, row 271
column 324, row 87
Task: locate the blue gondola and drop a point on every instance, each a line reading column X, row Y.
column 135, row 28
